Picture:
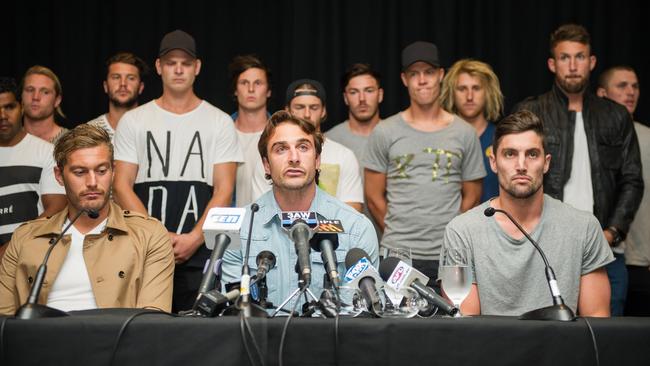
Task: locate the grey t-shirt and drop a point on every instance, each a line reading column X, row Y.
column 510, row 273
column 341, row 133
column 425, row 171
column 637, row 243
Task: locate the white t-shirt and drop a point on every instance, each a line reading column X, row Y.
column 176, row 154
column 578, row 191
column 26, row 173
column 72, row 289
column 245, row 171
column 339, row 175
column 102, row 121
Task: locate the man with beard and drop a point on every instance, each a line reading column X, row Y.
column 42, row 94
column 507, row 272
column 290, row 148
column 112, row 259
column 596, row 163
column 123, row 85
column 362, row 93
column 27, row 185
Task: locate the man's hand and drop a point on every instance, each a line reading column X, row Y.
column 185, row 245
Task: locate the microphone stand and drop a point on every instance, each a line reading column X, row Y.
column 245, row 306
column 558, row 311
column 32, row 309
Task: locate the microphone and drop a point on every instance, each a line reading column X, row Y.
column 211, row 270
column 265, row 262
column 361, row 273
column 398, row 274
column 31, row 309
column 557, row 311
column 300, row 233
column 326, row 244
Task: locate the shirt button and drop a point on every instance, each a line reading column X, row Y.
column 30, row 279
column 121, row 274
column 127, row 212
column 110, row 237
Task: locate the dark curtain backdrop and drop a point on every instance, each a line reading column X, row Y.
column 315, row 39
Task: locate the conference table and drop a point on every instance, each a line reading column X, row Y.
column 90, row 338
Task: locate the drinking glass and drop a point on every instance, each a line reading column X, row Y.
column 455, row 274
column 404, row 254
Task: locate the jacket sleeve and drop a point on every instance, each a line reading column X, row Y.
column 158, row 279
column 630, row 179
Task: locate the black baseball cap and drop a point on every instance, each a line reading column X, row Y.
column 177, row 40
column 292, row 91
column 420, row 51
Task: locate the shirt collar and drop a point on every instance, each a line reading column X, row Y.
column 269, row 208
column 54, row 224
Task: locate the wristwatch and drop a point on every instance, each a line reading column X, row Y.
column 618, row 238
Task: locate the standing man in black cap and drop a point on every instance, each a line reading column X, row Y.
column 339, row 169
column 423, row 166
column 176, row 158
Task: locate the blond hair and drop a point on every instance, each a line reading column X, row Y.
column 81, row 137
column 47, row 72
column 490, row 81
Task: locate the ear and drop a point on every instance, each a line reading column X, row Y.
column 105, row 87
column 551, row 64
column 158, row 67
column 601, row 92
column 268, row 94
column 141, row 88
column 58, row 174
column 592, row 62
column 267, row 167
column 57, row 101
column 403, row 77
column 381, row 95
column 547, row 162
column 345, row 99
column 198, row 67
column 492, row 158
column 318, row 161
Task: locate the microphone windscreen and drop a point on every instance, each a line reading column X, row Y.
column 255, row 207
column 489, row 211
column 387, row 266
column 92, row 213
column 353, row 256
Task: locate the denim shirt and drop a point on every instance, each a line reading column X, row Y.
column 268, row 234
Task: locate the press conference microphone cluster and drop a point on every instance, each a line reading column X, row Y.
column 558, row 311
column 31, row 309
column 398, row 274
column 300, row 233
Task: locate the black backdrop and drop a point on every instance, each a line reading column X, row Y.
column 316, row 39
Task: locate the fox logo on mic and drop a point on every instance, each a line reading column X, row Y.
column 357, row 269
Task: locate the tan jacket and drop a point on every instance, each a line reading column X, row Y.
column 130, row 263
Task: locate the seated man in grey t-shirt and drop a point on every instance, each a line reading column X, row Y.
column 507, row 272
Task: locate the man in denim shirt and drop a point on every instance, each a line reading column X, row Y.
column 290, row 148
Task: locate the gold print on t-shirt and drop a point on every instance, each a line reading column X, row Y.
column 401, row 163
column 436, row 163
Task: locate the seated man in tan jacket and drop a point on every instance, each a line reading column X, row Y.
column 118, row 259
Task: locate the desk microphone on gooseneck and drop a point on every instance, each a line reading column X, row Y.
column 32, row 309
column 557, row 311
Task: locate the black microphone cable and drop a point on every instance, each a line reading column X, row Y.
column 245, row 328
column 286, row 325
column 593, row 340
column 126, row 324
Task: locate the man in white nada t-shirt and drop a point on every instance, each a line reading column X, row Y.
column 176, row 157
column 27, row 185
column 339, row 170
column 123, row 85
column 251, row 87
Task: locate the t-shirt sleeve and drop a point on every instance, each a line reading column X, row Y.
column 227, row 148
column 596, row 251
column 48, row 184
column 125, row 140
column 350, row 188
column 376, row 154
column 473, row 167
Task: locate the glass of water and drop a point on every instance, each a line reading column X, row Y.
column 455, row 274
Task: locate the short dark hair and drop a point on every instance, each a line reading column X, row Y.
column 8, row 85
column 518, row 122
column 131, row 59
column 569, row 32
column 359, row 69
column 606, row 75
column 241, row 63
column 280, row 117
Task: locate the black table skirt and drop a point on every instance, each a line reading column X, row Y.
column 87, row 338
